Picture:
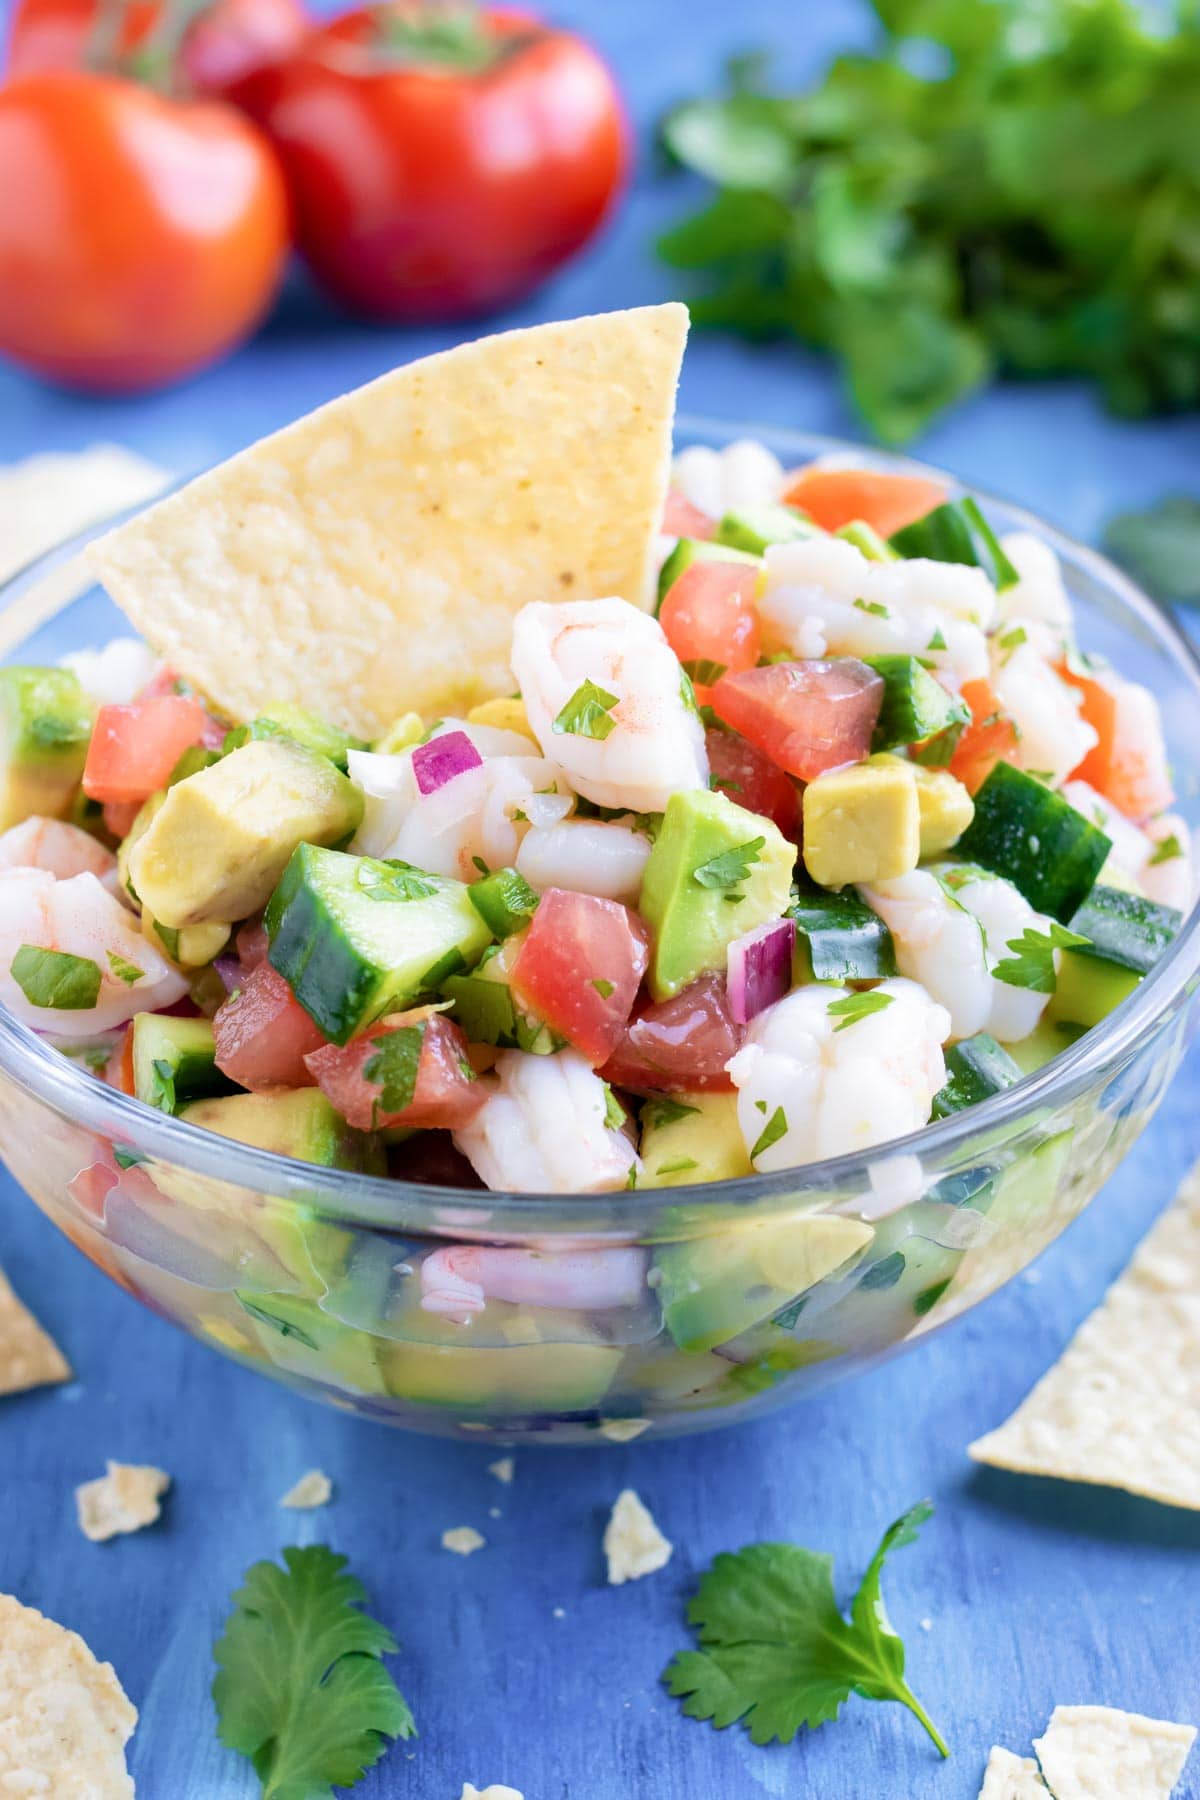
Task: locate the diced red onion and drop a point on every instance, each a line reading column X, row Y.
column 760, row 968
column 442, row 758
column 230, row 969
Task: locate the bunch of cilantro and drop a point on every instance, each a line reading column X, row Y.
column 1003, row 185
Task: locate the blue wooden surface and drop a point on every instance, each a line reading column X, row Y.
column 1035, row 1592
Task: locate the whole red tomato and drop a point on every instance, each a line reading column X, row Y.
column 140, row 237
column 230, row 40
column 442, row 161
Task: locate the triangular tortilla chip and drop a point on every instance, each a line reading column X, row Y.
column 1099, row 1753
column 1121, row 1406
column 1009, row 1777
column 29, row 1357
column 370, row 558
column 64, row 1717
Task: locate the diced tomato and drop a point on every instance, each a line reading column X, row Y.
column 682, row 519
column 119, row 816
column 134, row 748
column 263, row 1035
column 740, row 770
column 252, row 943
column 1129, row 763
column 991, row 737
column 445, row 1092
column 118, row 1070
column 678, row 1045
column 711, row 621
column 92, row 1186
column 806, row 716
column 836, row 497
column 580, row 968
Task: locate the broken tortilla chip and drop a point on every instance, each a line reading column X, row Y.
column 29, row 1357
column 313, row 1489
column 124, row 1500
column 371, row 557
column 1009, row 1777
column 64, row 1718
column 1098, row 1753
column 1121, row 1406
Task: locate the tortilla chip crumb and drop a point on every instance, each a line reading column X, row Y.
column 502, row 1470
column 1099, row 1753
column 64, row 1718
column 496, row 1791
column 126, row 1499
column 1009, row 1777
column 633, row 1544
column 623, row 1431
column 464, row 1540
column 29, row 1357
column 313, row 1489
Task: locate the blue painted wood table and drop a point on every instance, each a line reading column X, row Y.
column 521, row 1665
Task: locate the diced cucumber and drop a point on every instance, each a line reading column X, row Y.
column 1049, row 1040
column 284, row 720
column 1124, row 928
column 754, row 528
column 957, row 532
column 839, row 938
column 355, row 937
column 504, row 901
column 45, row 728
column 864, row 537
column 975, row 1068
column 1088, row 988
column 174, row 1061
column 690, row 550
column 916, row 709
column 1026, row 832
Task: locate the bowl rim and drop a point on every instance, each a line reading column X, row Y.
column 352, row 1198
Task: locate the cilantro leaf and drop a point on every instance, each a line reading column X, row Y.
column 678, row 1165
column 875, row 607
column 52, row 978
column 393, row 880
column 1033, row 964
column 127, row 972
column 1166, row 850
column 775, row 1128
column 1160, row 547
column 857, row 1006
column 731, row 867
column 937, row 641
column 776, row 1651
column 664, row 1109
column 614, row 1112
column 603, row 987
column 394, row 1067
column 587, row 713
column 300, row 1687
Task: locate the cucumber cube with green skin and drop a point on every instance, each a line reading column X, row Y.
column 284, row 720
column 839, row 937
column 976, row 1068
column 957, row 532
column 1028, row 833
column 690, row 550
column 45, row 727
column 355, row 937
column 1124, row 928
column 756, row 527
column 1088, row 988
column 864, row 537
column 174, row 1061
column 916, row 709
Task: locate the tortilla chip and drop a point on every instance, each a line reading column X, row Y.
column 623, row 1431
column 633, row 1544
column 124, row 1500
column 464, row 1540
column 64, row 1719
column 1009, row 1777
column 313, row 1489
column 29, row 1357
column 48, row 498
column 370, row 558
column 1121, row 1407
column 1098, row 1753
column 503, row 1470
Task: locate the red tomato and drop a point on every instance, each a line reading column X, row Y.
column 263, row 1035
column 836, row 497
column 445, row 1093
column 991, row 737
column 118, row 1070
column 134, row 748
column 119, row 816
column 1128, row 764
column 682, row 519
column 680, row 1044
column 711, row 621
column 806, row 716
column 230, row 40
column 580, row 968
column 252, row 944
column 429, row 189
column 751, row 779
column 92, row 1186
column 140, row 237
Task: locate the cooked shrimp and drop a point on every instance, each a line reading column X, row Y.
column 61, row 849
column 116, row 674
column 655, row 747
column 1130, row 844
column 1171, row 880
column 1004, row 914
column 744, row 474
column 480, row 816
column 459, row 1280
column 1039, row 594
column 813, row 1090
column 80, row 918
column 543, row 1128
column 1054, row 738
column 586, row 856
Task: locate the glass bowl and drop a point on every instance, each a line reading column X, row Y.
column 665, row 1310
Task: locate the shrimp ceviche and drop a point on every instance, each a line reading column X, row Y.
column 846, row 834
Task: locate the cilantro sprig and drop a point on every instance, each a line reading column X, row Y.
column 1032, row 964
column 588, row 713
column 55, row 979
column 301, row 1689
column 731, row 867
column 857, row 1006
column 776, row 1651
column 394, row 1066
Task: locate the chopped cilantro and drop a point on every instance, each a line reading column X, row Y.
column 614, row 1112
column 162, row 1086
column 604, row 988
column 477, row 862
column 874, row 607
column 678, row 1166
column 775, row 1128
column 937, row 641
column 662, row 1109
column 1033, row 964
column 704, row 671
column 729, row 868
column 1166, row 850
column 587, row 713
column 128, row 1159
column 393, row 1067
column 393, row 880
column 124, row 971
column 687, row 693
column 857, row 1006
column 54, row 979
column 1012, row 640
column 453, row 963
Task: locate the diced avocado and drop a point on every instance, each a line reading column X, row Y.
column 862, row 824
column 45, row 727
column 838, row 937
column 690, row 550
column 355, row 937
column 1089, row 988
column 299, row 1337
column 715, row 871
column 504, row 901
column 504, row 715
column 917, row 710
column 193, row 759
column 946, row 806
column 408, row 730
column 143, row 819
column 174, row 1061
column 296, row 1122
column 221, row 839
column 191, row 946
column 284, row 720
column 533, row 1377
column 691, row 1137
column 864, row 537
column 485, row 1008
column 712, row 1288
column 659, row 1375
column 1028, row 833
column 753, row 528
column 975, row 1069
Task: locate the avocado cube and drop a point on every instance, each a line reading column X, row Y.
column 296, row 1122
column 284, row 720
column 220, row 841
column 533, row 1377
column 862, row 824
column 946, row 806
column 715, row 871
column 303, row 1340
column 692, row 1137
column 45, row 728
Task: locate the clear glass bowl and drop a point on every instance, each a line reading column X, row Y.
column 666, row 1310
